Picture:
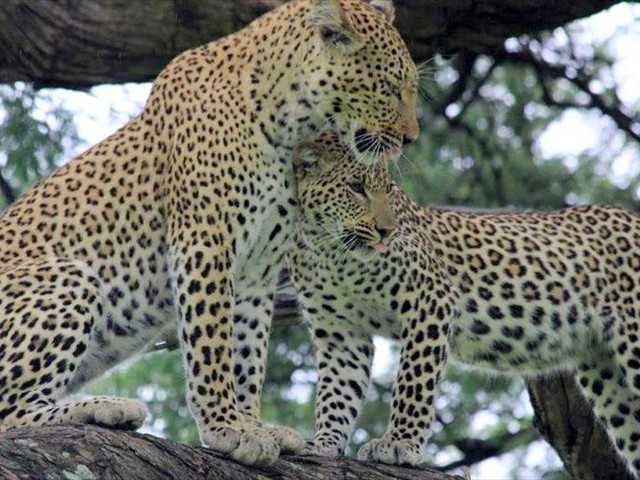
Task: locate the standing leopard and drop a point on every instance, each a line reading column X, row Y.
column 179, row 221
column 513, row 293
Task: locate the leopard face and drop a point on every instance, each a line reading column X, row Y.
column 344, row 204
column 368, row 80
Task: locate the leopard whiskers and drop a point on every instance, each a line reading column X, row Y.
column 427, row 69
column 326, row 237
column 424, row 93
column 329, row 235
column 373, row 146
column 346, row 247
column 414, row 168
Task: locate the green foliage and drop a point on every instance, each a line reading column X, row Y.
column 487, row 157
column 35, row 132
column 287, row 397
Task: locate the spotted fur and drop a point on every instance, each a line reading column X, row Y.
column 517, row 293
column 180, row 220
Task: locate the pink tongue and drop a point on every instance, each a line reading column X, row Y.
column 380, row 247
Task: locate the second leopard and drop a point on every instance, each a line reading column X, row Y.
column 518, row 293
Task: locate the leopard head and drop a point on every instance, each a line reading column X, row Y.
column 344, row 204
column 365, row 82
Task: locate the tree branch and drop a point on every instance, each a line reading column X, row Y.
column 89, row 452
column 81, row 43
column 474, row 93
column 7, row 190
column 476, row 451
column 546, row 72
column 463, row 65
column 566, row 421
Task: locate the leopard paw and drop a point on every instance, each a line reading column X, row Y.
column 317, row 448
column 249, row 446
column 288, row 439
column 391, row 451
column 111, row 412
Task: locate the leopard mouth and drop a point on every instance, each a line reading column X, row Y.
column 354, row 242
column 377, row 145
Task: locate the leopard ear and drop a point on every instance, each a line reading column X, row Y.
column 308, row 158
column 386, row 7
column 333, row 26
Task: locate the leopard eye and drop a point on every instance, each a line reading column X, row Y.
column 357, row 186
column 392, row 89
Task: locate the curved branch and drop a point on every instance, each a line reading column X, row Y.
column 463, row 65
column 476, row 451
column 546, row 71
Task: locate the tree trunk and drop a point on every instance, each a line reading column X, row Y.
column 566, row 421
column 84, row 452
column 80, row 43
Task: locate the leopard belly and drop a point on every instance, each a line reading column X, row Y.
column 539, row 339
column 139, row 308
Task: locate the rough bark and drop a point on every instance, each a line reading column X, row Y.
column 566, row 421
column 86, row 452
column 80, row 43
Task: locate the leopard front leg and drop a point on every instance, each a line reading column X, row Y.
column 47, row 332
column 252, row 324
column 343, row 359
column 422, row 360
column 616, row 404
column 204, row 290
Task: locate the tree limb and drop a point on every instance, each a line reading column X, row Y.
column 84, row 452
column 7, row 190
column 463, row 65
column 475, row 451
column 549, row 72
column 565, row 419
column 81, row 43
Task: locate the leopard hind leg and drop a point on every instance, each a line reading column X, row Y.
column 49, row 309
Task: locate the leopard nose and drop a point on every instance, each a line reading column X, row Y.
column 407, row 140
column 385, row 231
